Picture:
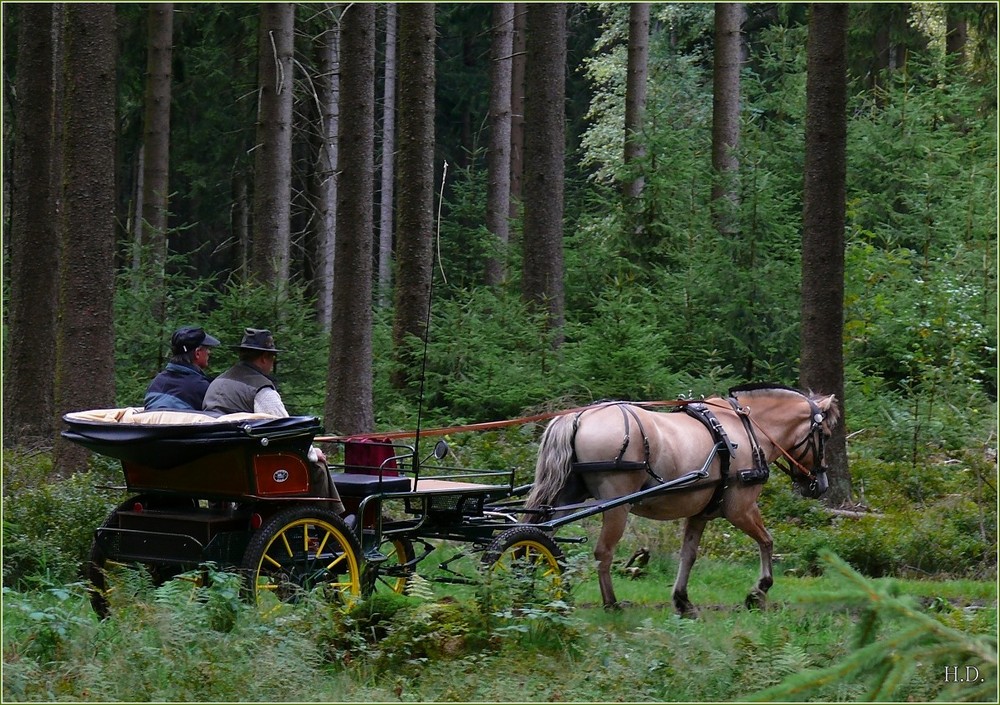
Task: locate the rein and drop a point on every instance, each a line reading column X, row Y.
column 489, row 425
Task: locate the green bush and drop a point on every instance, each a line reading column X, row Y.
column 49, row 525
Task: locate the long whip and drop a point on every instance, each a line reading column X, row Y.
column 427, row 324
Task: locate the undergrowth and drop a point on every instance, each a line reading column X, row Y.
column 187, row 641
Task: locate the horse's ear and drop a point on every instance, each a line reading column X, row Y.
column 831, row 409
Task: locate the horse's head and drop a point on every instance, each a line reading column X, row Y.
column 806, row 433
column 823, row 415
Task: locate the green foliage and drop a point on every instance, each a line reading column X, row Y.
column 42, row 624
column 142, row 333
column 193, row 640
column 891, row 658
column 143, row 343
column 166, row 645
column 489, row 357
column 48, row 526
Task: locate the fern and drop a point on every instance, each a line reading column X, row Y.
column 420, row 588
column 791, row 658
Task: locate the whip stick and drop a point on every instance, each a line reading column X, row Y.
column 427, row 322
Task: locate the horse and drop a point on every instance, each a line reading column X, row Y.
column 594, row 453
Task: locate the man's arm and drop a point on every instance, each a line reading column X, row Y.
column 268, row 401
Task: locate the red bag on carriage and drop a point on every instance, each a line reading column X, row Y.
column 369, row 456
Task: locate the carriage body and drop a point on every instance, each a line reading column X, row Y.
column 228, row 458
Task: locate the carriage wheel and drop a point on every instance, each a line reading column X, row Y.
column 531, row 561
column 392, row 574
column 98, row 564
column 299, row 549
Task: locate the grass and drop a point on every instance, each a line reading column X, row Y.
column 170, row 645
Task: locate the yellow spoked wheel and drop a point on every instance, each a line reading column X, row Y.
column 528, row 566
column 301, row 549
column 392, row 574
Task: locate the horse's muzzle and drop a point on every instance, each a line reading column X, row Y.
column 816, row 487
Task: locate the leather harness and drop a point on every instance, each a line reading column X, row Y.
column 725, row 448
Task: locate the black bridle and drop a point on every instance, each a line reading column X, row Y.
column 814, row 442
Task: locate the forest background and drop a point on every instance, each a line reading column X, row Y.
column 632, row 244
column 670, row 265
column 660, row 294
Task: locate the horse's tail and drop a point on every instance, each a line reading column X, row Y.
column 555, row 457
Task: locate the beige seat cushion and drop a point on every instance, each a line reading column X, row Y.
column 159, row 417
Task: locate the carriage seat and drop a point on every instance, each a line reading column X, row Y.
column 370, row 467
column 165, row 439
column 361, row 485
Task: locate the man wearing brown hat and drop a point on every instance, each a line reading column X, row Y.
column 249, row 386
column 183, row 383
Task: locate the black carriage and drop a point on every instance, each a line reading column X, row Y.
column 238, row 491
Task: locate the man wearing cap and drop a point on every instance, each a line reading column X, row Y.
column 248, row 386
column 183, row 383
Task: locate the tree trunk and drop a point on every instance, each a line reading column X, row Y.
column 388, row 152
column 518, row 61
column 273, row 152
column 957, row 35
column 85, row 359
column 33, row 264
column 349, row 404
column 635, row 94
column 544, row 148
column 726, row 117
column 135, row 222
column 498, row 155
column 156, row 150
column 415, row 215
column 821, row 366
column 324, row 226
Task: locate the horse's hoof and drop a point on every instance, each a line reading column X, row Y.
column 689, row 611
column 756, row 601
column 684, row 607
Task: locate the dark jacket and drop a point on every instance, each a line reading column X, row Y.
column 234, row 390
column 177, row 387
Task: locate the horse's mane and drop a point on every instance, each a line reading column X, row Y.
column 749, row 389
column 833, row 414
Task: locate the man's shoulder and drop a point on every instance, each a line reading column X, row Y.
column 174, row 368
column 247, row 375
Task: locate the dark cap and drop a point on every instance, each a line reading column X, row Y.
column 187, row 339
column 258, row 339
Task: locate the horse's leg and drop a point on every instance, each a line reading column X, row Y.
column 612, row 529
column 693, row 529
column 752, row 525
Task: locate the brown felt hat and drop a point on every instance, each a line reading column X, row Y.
column 258, row 339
